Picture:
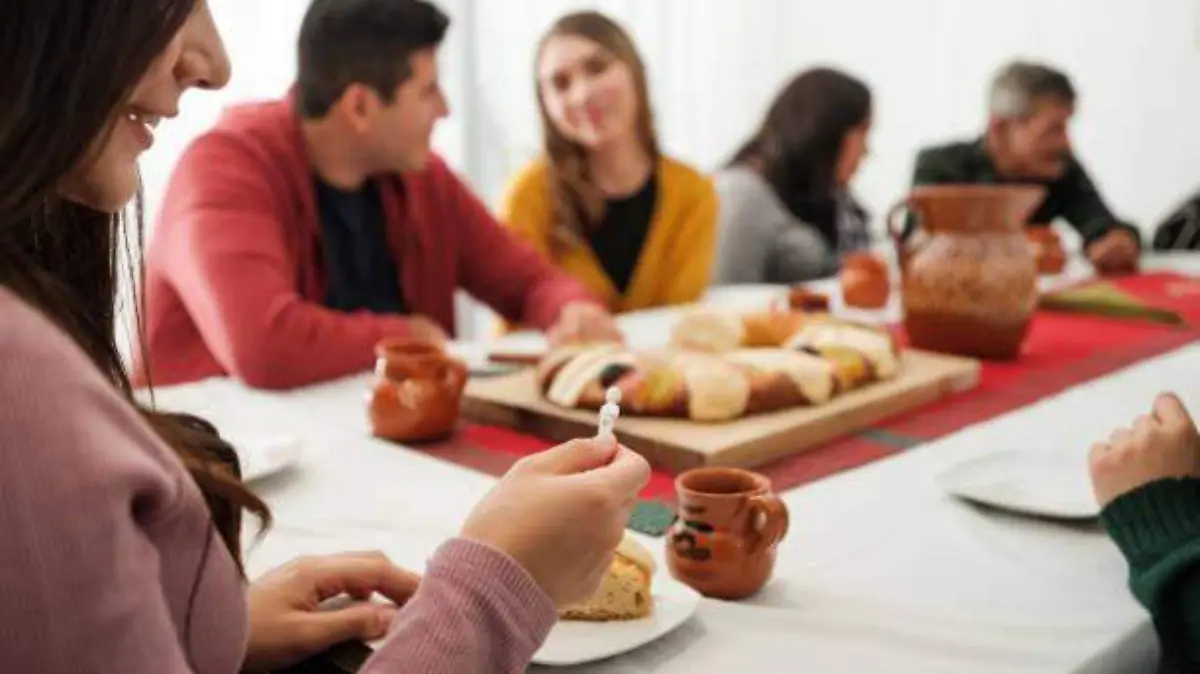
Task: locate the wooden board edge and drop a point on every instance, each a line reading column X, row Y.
column 665, row 455
column 960, row 374
column 778, row 446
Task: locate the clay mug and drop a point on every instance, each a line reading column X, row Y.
column 864, row 280
column 1047, row 249
column 417, row 392
column 730, row 523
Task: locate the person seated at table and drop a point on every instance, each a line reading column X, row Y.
column 120, row 526
column 603, row 202
column 1026, row 141
column 1147, row 480
column 787, row 214
column 299, row 232
column 1180, row 230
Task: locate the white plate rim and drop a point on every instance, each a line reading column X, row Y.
column 954, row 482
column 685, row 603
column 264, row 456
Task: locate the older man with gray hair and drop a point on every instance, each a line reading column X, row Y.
column 1026, row 141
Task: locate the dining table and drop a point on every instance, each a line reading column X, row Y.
column 882, row 569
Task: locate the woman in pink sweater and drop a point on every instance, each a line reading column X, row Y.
column 120, row 525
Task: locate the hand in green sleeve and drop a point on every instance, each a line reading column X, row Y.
column 1147, row 479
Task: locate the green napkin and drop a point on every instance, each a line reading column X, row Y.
column 652, row 518
column 1105, row 299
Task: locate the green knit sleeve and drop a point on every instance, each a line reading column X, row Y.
column 1157, row 528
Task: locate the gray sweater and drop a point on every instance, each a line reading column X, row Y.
column 761, row 241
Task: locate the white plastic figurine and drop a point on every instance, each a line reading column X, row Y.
column 609, row 412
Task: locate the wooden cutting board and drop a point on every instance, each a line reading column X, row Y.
column 513, row 401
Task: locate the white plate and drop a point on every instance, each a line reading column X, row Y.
column 576, row 642
column 1041, row 484
column 264, row 455
column 475, row 356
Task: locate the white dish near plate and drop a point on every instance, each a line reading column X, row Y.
column 476, row 358
column 576, row 642
column 264, row 455
column 1042, row 484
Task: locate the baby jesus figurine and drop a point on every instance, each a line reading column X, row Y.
column 609, row 412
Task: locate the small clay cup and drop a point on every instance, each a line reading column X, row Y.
column 729, row 526
column 417, row 393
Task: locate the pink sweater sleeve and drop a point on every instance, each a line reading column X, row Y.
column 101, row 535
column 476, row 610
column 227, row 256
column 504, row 272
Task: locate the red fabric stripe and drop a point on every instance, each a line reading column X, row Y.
column 1063, row 350
column 515, row 445
column 493, row 450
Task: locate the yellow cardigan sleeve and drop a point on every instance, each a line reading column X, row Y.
column 525, row 208
column 525, row 211
column 693, row 248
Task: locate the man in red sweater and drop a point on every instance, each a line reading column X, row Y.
column 298, row 233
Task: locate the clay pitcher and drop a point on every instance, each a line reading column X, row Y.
column 968, row 275
column 729, row 525
column 417, row 392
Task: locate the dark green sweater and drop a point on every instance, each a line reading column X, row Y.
column 1072, row 196
column 1157, row 528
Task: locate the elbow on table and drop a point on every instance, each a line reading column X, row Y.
column 261, row 363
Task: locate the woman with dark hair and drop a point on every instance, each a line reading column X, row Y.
column 602, row 202
column 120, row 525
column 786, row 210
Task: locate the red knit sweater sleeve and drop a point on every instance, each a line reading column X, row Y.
column 503, row 271
column 228, row 258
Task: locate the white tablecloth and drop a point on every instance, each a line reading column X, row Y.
column 882, row 572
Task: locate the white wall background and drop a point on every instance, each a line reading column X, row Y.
column 714, row 64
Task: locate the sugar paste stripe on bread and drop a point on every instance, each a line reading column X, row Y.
column 876, row 346
column 813, row 376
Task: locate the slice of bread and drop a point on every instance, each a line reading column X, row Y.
column 624, row 593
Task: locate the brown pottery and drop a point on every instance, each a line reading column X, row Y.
column 864, row 280
column 968, row 273
column 417, row 392
column 1047, row 249
column 729, row 526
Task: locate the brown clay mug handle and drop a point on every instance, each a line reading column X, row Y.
column 768, row 520
column 909, row 205
column 456, row 375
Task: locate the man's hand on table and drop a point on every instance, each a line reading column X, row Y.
column 1114, row 253
column 425, row 330
column 1163, row 444
column 583, row 322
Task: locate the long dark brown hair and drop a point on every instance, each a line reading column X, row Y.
column 798, row 145
column 69, row 65
column 578, row 203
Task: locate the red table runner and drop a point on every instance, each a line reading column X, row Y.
column 1062, row 350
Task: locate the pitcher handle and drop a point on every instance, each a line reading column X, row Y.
column 903, row 250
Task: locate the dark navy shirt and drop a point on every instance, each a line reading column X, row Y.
column 618, row 241
column 359, row 270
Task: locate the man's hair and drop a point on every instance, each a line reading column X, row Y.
column 369, row 42
column 1019, row 85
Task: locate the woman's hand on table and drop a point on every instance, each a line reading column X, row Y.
column 423, row 329
column 583, row 322
column 561, row 514
column 288, row 622
column 1160, row 445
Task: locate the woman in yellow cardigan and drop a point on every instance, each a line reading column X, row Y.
column 602, row 202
